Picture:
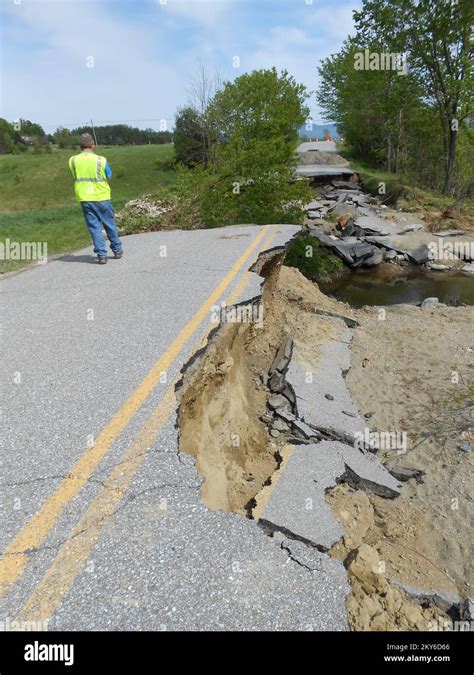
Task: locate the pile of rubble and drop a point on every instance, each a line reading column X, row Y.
column 367, row 233
column 146, row 209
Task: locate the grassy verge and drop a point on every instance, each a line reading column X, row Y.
column 37, row 194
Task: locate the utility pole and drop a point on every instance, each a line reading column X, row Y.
column 93, row 133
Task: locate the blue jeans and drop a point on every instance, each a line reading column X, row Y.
column 96, row 215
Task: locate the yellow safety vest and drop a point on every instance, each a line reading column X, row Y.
column 90, row 182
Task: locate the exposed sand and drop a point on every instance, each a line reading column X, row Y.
column 414, row 371
column 404, row 365
column 223, row 396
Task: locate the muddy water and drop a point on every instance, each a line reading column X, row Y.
column 411, row 285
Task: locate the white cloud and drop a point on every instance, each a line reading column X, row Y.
column 300, row 49
column 333, row 22
column 144, row 61
column 126, row 77
column 209, row 13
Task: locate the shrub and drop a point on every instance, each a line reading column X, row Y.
column 165, row 164
column 394, row 190
column 312, row 259
column 208, row 199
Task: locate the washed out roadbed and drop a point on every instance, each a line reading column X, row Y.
column 391, row 537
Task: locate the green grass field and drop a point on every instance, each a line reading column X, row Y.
column 37, row 194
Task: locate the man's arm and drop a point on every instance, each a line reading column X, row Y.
column 72, row 168
column 108, row 170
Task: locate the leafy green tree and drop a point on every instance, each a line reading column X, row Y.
column 65, row 138
column 10, row 139
column 436, row 35
column 254, row 122
column 189, row 138
column 28, row 128
column 375, row 110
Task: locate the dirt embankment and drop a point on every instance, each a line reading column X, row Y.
column 402, row 380
column 224, row 396
column 413, row 371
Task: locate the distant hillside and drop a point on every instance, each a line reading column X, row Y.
column 314, row 130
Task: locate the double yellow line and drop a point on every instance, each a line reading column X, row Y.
column 73, row 554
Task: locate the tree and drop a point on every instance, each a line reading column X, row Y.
column 375, row 110
column 254, row 122
column 65, row 138
column 28, row 128
column 202, row 90
column 436, row 35
column 190, row 144
column 10, row 139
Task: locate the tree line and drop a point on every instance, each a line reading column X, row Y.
column 17, row 136
column 123, row 134
column 400, row 90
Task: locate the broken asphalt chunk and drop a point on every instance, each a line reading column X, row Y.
column 297, row 504
column 404, row 473
column 283, row 357
column 277, row 401
column 277, row 382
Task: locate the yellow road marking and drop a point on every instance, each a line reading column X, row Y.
column 32, row 535
column 73, row 555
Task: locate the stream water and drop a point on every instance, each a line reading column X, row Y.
column 377, row 287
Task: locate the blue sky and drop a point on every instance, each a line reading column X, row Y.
column 65, row 61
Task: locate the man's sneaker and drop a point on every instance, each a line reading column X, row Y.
column 118, row 255
column 101, row 260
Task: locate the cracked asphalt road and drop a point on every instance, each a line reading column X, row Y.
column 103, row 526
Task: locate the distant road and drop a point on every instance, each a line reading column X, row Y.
column 322, row 146
column 316, row 170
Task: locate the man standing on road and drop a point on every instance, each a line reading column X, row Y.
column 90, row 173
